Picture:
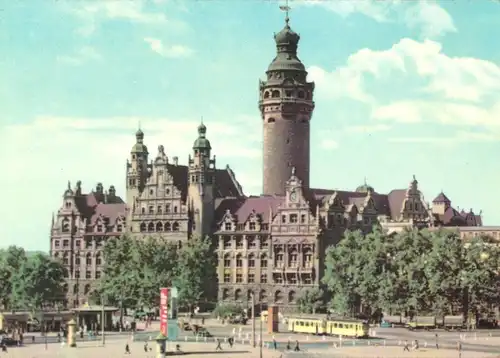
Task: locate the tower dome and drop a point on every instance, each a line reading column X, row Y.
column 202, row 142
column 287, row 36
column 139, row 146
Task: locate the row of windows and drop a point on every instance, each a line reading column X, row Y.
column 65, row 227
column 89, row 244
column 278, row 296
column 88, row 275
column 288, row 94
column 239, row 243
column 239, row 261
column 293, row 260
column 88, row 259
column 159, row 209
column 252, row 226
column 159, row 227
column 277, row 278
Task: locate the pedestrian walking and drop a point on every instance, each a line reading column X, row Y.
column 406, row 348
column 275, row 344
column 288, row 346
column 437, row 342
column 459, row 348
column 127, row 349
column 231, row 342
column 218, row 347
column 146, row 346
column 297, row 348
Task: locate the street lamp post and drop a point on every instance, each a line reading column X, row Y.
column 260, row 324
column 102, row 321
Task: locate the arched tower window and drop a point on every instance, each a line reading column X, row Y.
column 275, row 94
column 65, row 225
column 291, row 296
column 237, row 295
column 159, row 226
column 151, row 227
column 143, row 227
column 175, row 226
column 278, row 297
column 168, row 227
column 271, row 120
column 88, row 259
column 266, row 94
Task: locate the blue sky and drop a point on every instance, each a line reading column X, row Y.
column 402, row 88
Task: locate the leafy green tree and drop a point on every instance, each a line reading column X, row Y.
column 196, row 271
column 310, row 300
column 480, row 277
column 11, row 261
column 341, row 274
column 38, row 282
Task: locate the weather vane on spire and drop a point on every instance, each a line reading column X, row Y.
column 286, row 8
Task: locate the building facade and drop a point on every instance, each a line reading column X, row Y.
column 270, row 245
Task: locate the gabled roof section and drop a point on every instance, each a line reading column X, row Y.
column 242, row 208
column 441, row 199
column 226, row 185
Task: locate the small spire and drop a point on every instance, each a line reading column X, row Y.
column 69, row 185
column 365, row 181
column 293, row 171
column 286, row 8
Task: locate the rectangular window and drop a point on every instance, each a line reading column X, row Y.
column 227, row 278
column 265, row 227
column 303, row 218
column 292, row 279
column 252, row 244
column 56, row 243
column 167, row 208
column 263, row 278
column 283, row 219
column 151, row 209
column 98, row 274
column 293, row 218
column 78, row 244
column 227, row 262
column 88, row 274
column 252, row 226
column 239, row 278
column 65, row 243
column 239, row 244
column 88, row 244
column 159, row 209
column 227, row 243
column 251, row 278
column 228, row 226
column 77, row 274
column 277, row 278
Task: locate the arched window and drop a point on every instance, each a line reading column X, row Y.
column 88, row 259
column 266, row 94
column 151, row 227
column 159, row 226
column 294, row 259
column 308, row 258
column 175, row 226
column 65, row 258
column 143, row 227
column 249, row 295
column 278, row 297
column 301, row 94
column 168, row 227
column 251, row 260
column 291, row 296
column 275, row 94
column 239, row 261
column 279, row 258
column 75, row 289
column 227, row 260
column 263, row 295
column 237, row 295
column 263, row 261
column 225, row 294
column 65, row 225
column 86, row 289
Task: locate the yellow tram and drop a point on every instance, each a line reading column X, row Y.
column 335, row 327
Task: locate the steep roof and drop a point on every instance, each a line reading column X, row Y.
column 226, row 184
column 94, row 205
column 441, row 198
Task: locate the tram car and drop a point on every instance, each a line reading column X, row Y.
column 331, row 327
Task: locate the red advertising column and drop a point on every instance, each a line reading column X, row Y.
column 163, row 311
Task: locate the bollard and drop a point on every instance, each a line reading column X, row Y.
column 248, row 335
column 307, row 338
column 353, row 342
column 374, row 333
column 205, row 338
column 425, row 344
column 385, row 343
column 475, row 336
column 225, row 339
column 368, row 342
column 323, row 338
column 186, row 338
column 196, row 338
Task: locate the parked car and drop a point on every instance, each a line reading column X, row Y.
column 202, row 332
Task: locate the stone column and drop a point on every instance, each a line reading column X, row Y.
column 72, row 333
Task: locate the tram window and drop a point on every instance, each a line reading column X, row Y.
column 341, row 325
column 335, row 325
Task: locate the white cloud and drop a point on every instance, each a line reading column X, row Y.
column 459, row 137
column 80, row 56
column 92, row 13
column 169, row 51
column 369, row 128
column 425, row 16
column 416, row 82
column 329, row 144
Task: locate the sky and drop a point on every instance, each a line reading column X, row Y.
column 403, row 88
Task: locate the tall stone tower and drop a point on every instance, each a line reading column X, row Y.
column 137, row 170
column 286, row 106
column 201, row 179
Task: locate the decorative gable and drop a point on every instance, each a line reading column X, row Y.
column 253, row 222
column 228, row 222
column 335, row 203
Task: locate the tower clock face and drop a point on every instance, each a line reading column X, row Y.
column 293, row 196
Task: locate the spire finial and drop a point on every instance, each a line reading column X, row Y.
column 201, row 121
column 365, row 181
column 293, row 171
column 69, row 185
column 286, row 8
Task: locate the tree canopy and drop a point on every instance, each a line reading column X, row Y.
column 135, row 270
column 414, row 271
column 30, row 282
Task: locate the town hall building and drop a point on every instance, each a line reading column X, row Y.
column 271, row 245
